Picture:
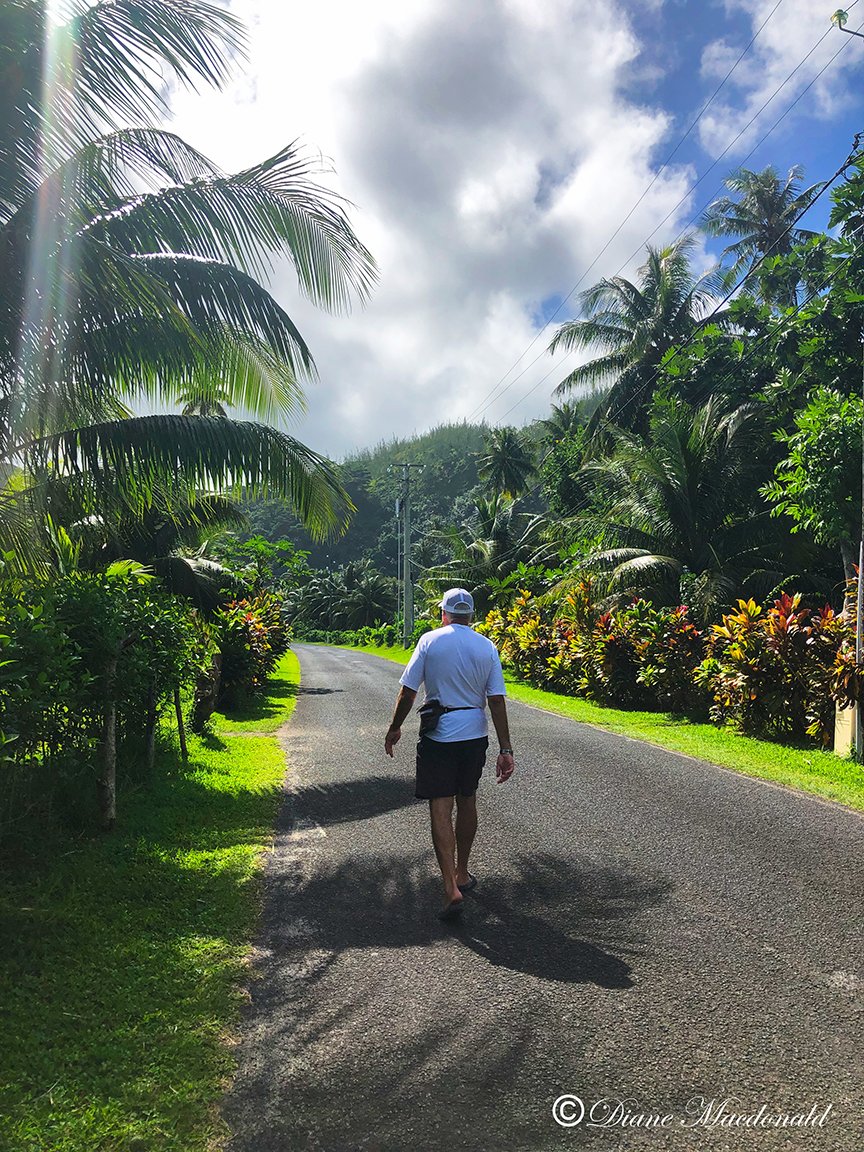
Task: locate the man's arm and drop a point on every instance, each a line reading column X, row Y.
column 404, row 704
column 505, row 765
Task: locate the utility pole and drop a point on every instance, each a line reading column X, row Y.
column 398, row 539
column 839, row 20
column 404, row 506
column 859, row 607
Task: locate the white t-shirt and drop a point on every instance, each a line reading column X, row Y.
column 460, row 668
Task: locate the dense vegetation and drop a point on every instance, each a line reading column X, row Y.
column 133, row 270
column 702, row 460
column 710, row 475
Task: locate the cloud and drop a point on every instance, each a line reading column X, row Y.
column 796, row 44
column 491, row 149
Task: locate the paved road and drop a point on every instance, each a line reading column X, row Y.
column 646, row 927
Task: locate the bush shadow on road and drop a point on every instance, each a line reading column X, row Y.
column 341, row 801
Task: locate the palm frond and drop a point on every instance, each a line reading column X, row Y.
column 245, row 219
column 135, row 456
column 105, row 68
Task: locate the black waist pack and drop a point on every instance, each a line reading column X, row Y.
column 431, row 712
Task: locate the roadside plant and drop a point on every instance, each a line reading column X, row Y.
column 773, row 672
column 251, row 635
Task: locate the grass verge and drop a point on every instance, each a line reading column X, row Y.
column 122, row 957
column 810, row 770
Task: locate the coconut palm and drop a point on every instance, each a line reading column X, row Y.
column 506, row 463
column 370, row 597
column 131, row 268
column 635, row 325
column 763, row 212
column 564, row 421
column 679, row 509
column 488, row 547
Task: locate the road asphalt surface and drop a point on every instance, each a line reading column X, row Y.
column 647, row 928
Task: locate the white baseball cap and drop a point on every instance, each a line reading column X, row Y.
column 457, row 602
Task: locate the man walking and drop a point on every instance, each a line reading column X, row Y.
column 462, row 670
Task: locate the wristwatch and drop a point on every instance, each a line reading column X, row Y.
column 505, row 751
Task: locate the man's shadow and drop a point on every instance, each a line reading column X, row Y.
column 562, row 919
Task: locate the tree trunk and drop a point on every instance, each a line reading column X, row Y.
column 207, row 693
column 106, row 785
column 850, row 566
column 150, row 730
column 181, row 731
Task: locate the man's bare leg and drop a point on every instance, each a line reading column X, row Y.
column 444, row 840
column 466, row 830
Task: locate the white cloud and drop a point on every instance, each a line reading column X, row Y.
column 491, row 152
column 789, row 41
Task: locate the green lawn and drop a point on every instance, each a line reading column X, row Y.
column 821, row 773
column 122, row 958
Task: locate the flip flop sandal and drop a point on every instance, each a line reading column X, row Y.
column 470, row 886
column 453, row 910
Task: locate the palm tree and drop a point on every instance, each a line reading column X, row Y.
column 635, row 326
column 506, row 464
column 763, row 212
column 679, row 510
column 564, row 421
column 131, row 269
column 488, row 548
column 370, row 597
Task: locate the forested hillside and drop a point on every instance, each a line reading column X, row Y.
column 443, row 493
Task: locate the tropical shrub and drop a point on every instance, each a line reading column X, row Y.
column 251, row 635
column 523, row 634
column 778, row 672
column 377, row 636
column 74, row 652
column 775, row 672
column 667, row 647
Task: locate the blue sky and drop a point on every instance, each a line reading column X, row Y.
column 675, row 35
column 494, row 150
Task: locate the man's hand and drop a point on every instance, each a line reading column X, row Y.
column 392, row 739
column 404, row 704
column 504, row 766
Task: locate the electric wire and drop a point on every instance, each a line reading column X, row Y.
column 693, row 220
column 645, row 192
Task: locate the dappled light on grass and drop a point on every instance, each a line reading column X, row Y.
column 122, row 957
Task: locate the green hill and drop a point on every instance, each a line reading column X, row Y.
column 443, row 492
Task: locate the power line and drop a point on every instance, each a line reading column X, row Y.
column 850, row 158
column 645, row 192
column 673, row 210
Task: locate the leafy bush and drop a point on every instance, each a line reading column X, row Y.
column 778, row 672
column 71, row 650
column 667, row 648
column 251, row 634
column 775, row 672
column 376, row 636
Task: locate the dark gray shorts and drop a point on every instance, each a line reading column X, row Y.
column 449, row 768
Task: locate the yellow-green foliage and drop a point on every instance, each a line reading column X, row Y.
column 774, row 671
